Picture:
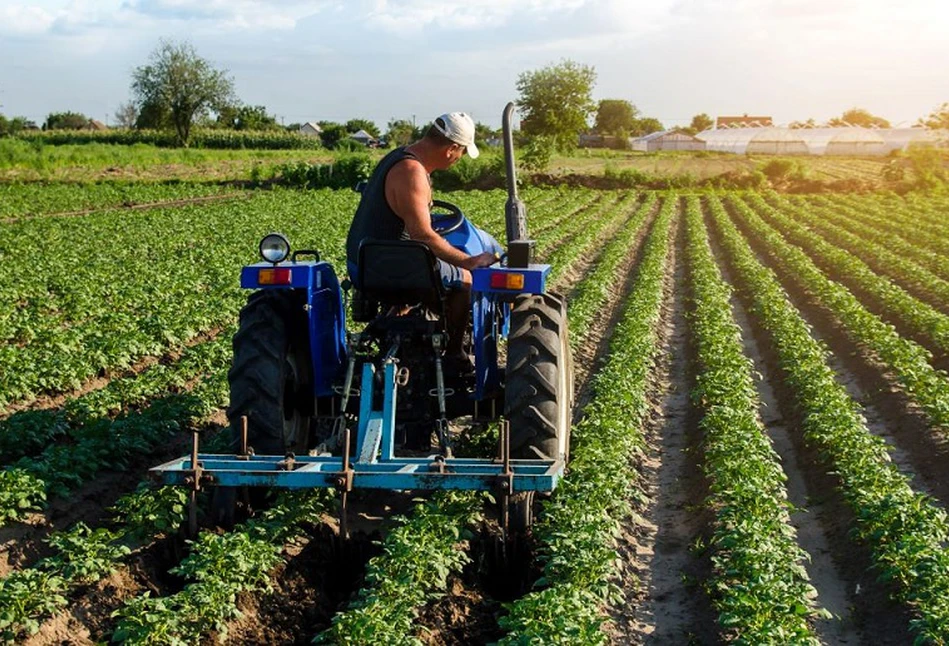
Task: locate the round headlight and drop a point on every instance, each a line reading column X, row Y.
column 274, row 247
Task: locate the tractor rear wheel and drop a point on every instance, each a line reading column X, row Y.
column 538, row 389
column 270, row 378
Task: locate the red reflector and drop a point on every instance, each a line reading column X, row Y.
column 507, row 280
column 273, row 277
column 498, row 281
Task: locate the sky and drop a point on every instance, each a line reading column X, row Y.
column 310, row 60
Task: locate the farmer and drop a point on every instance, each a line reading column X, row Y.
column 396, row 205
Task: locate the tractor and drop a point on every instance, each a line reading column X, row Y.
column 317, row 401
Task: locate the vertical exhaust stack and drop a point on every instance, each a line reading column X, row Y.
column 519, row 248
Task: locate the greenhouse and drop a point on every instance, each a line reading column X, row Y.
column 666, row 140
column 763, row 141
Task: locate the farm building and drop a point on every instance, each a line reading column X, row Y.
column 363, row 137
column 666, row 140
column 310, row 129
column 762, row 141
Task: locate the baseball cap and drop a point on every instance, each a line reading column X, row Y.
column 460, row 128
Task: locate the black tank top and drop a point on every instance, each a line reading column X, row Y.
column 374, row 217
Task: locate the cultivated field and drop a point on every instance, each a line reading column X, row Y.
column 758, row 451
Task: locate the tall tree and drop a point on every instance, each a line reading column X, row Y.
column 556, row 101
column 331, row 133
column 182, row 84
column 65, row 121
column 938, row 118
column 859, row 117
column 615, row 117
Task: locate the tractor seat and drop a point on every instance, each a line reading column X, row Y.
column 399, row 272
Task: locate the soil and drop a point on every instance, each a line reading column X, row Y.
column 664, row 602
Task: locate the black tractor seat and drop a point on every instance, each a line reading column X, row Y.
column 397, row 274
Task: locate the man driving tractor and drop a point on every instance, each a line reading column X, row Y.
column 396, row 205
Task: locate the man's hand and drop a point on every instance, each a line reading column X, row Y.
column 481, row 260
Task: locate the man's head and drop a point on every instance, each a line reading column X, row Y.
column 454, row 131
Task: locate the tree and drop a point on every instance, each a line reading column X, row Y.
column 126, row 115
column 331, row 133
column 13, row 125
column 645, row 125
column 859, row 117
column 483, row 132
column 181, row 84
column 355, row 125
column 246, row 117
column 615, row 116
column 938, row 119
column 400, row 132
column 65, row 121
column 555, row 101
column 701, row 122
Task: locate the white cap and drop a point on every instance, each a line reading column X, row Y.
column 460, row 128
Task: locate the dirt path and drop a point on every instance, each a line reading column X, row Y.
column 664, row 604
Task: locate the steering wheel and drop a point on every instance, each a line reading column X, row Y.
column 446, row 220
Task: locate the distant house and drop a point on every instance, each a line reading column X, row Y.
column 95, row 125
column 744, row 121
column 310, row 129
column 666, row 140
column 363, row 137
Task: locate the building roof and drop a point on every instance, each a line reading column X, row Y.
column 362, row 134
column 672, row 134
column 311, row 125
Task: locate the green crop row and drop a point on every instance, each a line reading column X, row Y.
column 595, row 287
column 29, row 432
column 201, row 138
column 589, row 239
column 759, row 585
column 879, row 257
column 577, row 529
column 919, row 318
column 909, row 361
column 417, row 558
column 905, row 532
column 845, row 214
column 907, row 228
column 83, row 556
column 219, row 568
column 97, row 442
column 35, row 199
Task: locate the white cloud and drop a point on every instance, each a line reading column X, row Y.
column 25, row 19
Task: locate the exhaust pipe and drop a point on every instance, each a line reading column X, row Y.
column 519, row 247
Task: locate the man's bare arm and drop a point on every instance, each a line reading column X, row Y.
column 409, row 195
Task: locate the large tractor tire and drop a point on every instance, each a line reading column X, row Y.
column 270, row 377
column 538, row 390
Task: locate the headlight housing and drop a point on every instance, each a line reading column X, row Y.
column 274, row 247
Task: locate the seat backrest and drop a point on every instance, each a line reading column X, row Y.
column 399, row 272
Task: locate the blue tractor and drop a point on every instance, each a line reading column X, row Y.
column 315, row 404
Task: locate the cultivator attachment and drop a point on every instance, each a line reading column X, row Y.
column 372, row 465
